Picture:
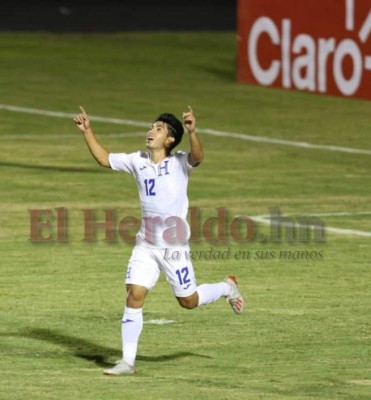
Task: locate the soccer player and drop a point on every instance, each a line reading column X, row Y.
column 162, row 241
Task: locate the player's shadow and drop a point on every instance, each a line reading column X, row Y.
column 89, row 351
column 50, row 167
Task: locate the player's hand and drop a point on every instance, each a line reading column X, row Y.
column 189, row 120
column 82, row 120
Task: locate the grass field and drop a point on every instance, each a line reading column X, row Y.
column 306, row 330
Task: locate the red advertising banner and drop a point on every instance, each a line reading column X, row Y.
column 320, row 46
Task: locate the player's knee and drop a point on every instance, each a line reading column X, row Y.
column 187, row 305
column 188, row 302
column 136, row 296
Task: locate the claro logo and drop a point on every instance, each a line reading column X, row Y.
column 305, row 61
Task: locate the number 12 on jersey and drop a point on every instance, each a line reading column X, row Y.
column 150, row 187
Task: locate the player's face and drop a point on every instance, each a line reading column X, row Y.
column 158, row 136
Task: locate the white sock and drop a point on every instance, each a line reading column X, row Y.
column 131, row 328
column 208, row 293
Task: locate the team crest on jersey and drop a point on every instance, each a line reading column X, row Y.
column 162, row 168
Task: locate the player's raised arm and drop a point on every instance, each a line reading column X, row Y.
column 196, row 154
column 95, row 148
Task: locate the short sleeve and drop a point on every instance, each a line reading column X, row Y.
column 122, row 162
column 183, row 159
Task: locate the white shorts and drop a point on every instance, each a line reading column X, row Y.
column 146, row 263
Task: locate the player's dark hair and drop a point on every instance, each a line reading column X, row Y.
column 176, row 127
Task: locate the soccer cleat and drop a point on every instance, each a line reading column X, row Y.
column 234, row 298
column 121, row 368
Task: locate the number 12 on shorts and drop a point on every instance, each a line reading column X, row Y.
column 183, row 276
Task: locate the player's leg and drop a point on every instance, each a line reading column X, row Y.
column 188, row 302
column 136, row 295
column 132, row 322
column 142, row 275
column 210, row 292
column 204, row 294
column 179, row 272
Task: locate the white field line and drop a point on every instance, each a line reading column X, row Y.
column 340, row 214
column 161, row 321
column 129, row 122
column 325, row 214
column 58, row 114
column 263, row 139
column 339, row 231
column 67, row 135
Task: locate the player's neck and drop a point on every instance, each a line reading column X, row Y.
column 156, row 156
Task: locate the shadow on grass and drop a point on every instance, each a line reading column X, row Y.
column 51, row 168
column 226, row 71
column 93, row 352
column 223, row 74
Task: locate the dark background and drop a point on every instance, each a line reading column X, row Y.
column 117, row 16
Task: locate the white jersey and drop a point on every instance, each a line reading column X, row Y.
column 163, row 197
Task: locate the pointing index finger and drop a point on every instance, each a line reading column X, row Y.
column 82, row 110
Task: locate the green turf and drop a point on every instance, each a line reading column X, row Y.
column 306, row 330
